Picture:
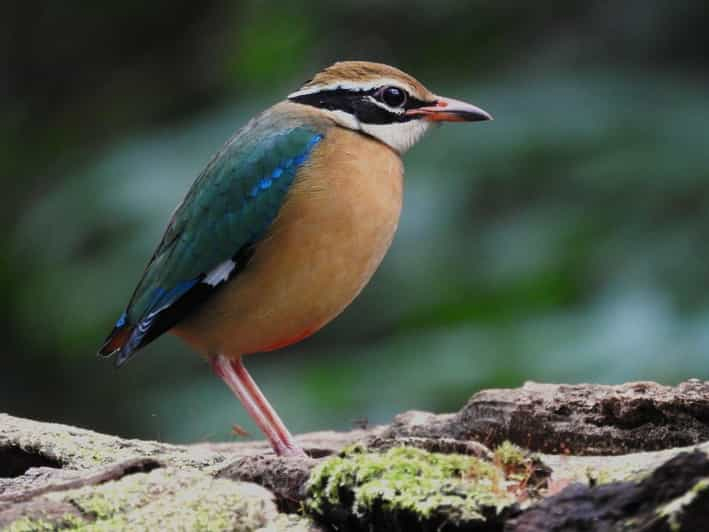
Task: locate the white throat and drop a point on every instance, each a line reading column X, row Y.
column 400, row 136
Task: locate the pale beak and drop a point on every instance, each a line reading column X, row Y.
column 450, row 110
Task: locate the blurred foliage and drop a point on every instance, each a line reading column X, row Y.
column 563, row 242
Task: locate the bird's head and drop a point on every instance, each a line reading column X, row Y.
column 381, row 101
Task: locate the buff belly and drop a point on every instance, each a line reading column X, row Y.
column 329, row 238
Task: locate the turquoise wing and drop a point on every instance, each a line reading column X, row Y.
column 212, row 233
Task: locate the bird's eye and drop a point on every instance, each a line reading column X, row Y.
column 392, row 96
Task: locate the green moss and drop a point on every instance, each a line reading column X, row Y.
column 598, row 477
column 673, row 510
column 168, row 499
column 701, row 486
column 406, row 479
column 511, row 458
column 27, row 524
column 70, row 521
column 509, row 454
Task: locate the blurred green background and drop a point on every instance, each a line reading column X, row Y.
column 565, row 241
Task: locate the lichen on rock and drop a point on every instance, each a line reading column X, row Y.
column 164, row 499
column 674, row 511
column 80, row 449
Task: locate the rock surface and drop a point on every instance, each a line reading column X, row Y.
column 541, row 457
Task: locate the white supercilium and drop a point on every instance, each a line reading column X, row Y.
column 352, row 86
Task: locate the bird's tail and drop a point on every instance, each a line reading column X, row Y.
column 119, row 341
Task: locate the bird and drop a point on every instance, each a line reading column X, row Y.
column 285, row 226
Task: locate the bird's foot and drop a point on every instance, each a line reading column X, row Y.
column 292, row 450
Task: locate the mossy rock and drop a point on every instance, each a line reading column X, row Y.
column 406, row 488
column 164, row 499
column 57, row 445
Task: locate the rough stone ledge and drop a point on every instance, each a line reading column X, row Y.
column 605, row 457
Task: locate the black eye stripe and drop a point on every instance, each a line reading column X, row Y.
column 359, row 104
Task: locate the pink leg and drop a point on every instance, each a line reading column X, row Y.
column 234, row 374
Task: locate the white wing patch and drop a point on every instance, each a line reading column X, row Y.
column 220, row 274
